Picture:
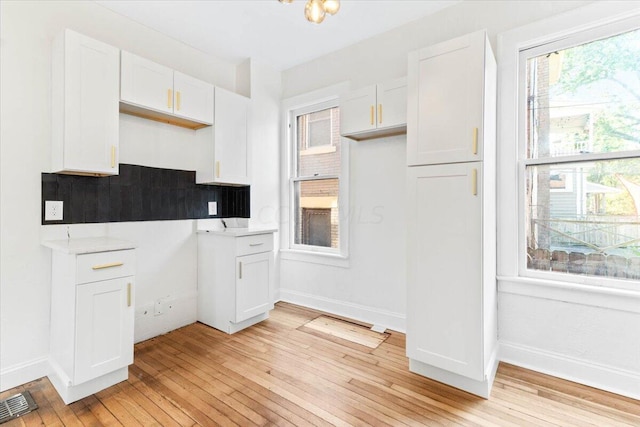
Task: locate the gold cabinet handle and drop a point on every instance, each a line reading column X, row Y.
column 240, row 270
column 217, row 169
column 109, row 265
column 113, row 156
column 169, row 99
column 371, row 114
column 475, row 140
column 379, row 113
column 474, row 182
column 128, row 294
column 178, row 100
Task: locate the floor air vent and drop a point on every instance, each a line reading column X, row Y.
column 16, row 406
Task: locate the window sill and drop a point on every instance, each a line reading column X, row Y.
column 596, row 296
column 323, row 149
column 334, row 260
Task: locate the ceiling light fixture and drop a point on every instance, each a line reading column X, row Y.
column 316, row 10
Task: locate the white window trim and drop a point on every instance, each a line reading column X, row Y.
column 601, row 16
column 328, row 97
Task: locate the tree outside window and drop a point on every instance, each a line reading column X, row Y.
column 583, row 165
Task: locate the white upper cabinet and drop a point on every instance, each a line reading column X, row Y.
column 193, row 98
column 446, row 101
column 374, row 111
column 224, row 149
column 146, row 83
column 156, row 92
column 85, row 122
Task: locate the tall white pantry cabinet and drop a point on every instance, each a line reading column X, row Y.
column 451, row 137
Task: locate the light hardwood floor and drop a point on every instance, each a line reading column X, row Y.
column 280, row 373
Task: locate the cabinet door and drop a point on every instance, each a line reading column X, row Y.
column 445, row 102
column 358, row 111
column 193, row 98
column 104, row 328
column 231, row 140
column 85, row 106
column 392, row 104
column 253, row 285
column 145, row 83
column 444, row 276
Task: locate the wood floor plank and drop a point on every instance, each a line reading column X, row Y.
column 105, row 417
column 276, row 373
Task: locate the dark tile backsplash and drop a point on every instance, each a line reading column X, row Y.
column 140, row 193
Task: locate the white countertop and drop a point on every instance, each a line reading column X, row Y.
column 88, row 245
column 238, row 232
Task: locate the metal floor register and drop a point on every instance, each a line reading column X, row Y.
column 15, row 406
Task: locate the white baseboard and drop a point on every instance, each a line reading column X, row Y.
column 387, row 319
column 479, row 388
column 619, row 381
column 23, row 373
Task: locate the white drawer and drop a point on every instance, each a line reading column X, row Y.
column 105, row 265
column 247, row 245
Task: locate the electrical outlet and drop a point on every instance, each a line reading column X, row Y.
column 213, row 208
column 53, row 210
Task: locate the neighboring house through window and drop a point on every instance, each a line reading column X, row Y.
column 580, row 126
column 315, row 178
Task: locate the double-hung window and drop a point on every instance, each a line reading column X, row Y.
column 580, row 168
column 315, row 179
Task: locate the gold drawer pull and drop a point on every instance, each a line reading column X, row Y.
column 217, row 169
column 371, row 114
column 178, row 100
column 113, row 156
column 109, row 265
column 256, row 244
column 474, row 182
column 379, row 113
column 169, row 100
column 128, row 294
column 475, row 140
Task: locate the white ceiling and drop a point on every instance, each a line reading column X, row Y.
column 268, row 30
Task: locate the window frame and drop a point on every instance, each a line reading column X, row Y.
column 340, row 253
column 552, row 43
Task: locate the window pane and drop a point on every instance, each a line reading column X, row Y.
column 582, row 218
column 316, row 213
column 318, row 143
column 319, row 128
column 585, row 99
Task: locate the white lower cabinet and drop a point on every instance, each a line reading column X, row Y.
column 92, row 315
column 451, row 301
column 104, row 327
column 235, row 278
column 252, row 286
column 444, row 324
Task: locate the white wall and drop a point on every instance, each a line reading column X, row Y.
column 166, row 254
column 372, row 288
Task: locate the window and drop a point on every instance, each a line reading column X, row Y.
column 580, row 121
column 315, row 182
